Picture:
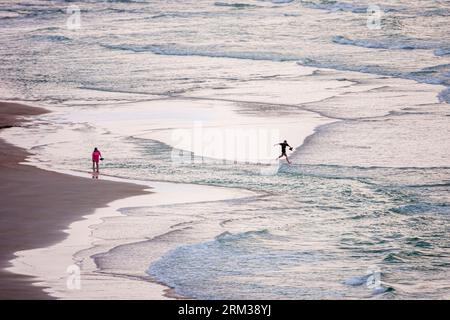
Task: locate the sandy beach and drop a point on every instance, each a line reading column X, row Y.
column 37, row 205
column 48, row 218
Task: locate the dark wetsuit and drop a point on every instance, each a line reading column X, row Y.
column 283, row 148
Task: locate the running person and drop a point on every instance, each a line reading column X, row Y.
column 96, row 154
column 283, row 150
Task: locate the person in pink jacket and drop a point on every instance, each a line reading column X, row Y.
column 96, row 155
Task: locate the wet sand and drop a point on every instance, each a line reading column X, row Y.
column 38, row 205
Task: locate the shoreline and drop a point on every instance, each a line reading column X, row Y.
column 37, row 205
column 74, row 231
column 82, row 245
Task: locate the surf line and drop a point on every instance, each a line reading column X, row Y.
column 226, row 309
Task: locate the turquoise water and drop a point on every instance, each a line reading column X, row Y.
column 319, row 226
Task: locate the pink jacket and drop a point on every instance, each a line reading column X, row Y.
column 96, row 156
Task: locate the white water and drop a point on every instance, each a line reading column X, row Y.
column 369, row 187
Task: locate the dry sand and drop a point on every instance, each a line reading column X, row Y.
column 37, row 205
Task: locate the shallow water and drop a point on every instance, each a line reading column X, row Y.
column 367, row 191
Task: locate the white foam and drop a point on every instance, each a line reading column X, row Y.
column 48, row 266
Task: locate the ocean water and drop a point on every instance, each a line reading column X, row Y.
column 367, row 194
